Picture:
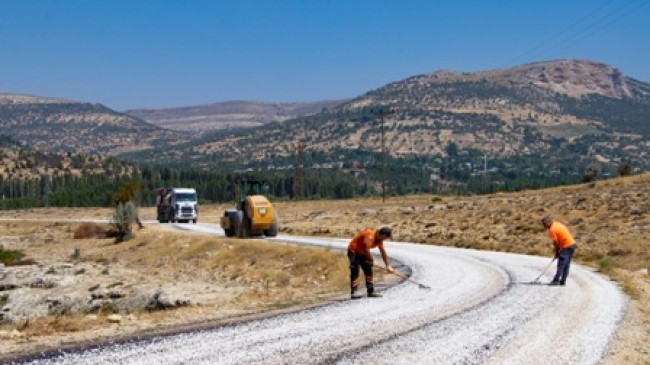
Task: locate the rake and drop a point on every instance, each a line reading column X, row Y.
column 536, row 281
column 420, row 285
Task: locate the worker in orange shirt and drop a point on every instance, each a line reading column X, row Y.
column 360, row 256
column 564, row 246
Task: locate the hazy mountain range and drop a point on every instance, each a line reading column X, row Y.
column 577, row 106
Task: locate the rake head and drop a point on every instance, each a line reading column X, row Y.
column 420, row 285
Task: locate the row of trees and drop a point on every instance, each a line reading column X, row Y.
column 402, row 177
column 459, row 172
column 103, row 190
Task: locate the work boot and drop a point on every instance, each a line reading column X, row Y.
column 354, row 294
column 555, row 282
column 374, row 295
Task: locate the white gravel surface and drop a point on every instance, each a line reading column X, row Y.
column 481, row 309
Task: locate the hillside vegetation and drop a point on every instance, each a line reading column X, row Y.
column 530, row 126
column 52, row 125
column 570, row 109
column 536, row 125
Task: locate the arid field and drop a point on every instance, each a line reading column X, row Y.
column 164, row 280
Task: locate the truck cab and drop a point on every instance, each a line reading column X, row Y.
column 177, row 205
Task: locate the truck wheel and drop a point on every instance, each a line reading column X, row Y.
column 273, row 230
column 194, row 220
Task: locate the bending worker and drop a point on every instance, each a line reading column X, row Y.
column 564, row 245
column 359, row 255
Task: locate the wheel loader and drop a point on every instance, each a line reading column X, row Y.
column 254, row 214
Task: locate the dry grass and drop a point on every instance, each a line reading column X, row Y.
column 222, row 277
column 53, row 325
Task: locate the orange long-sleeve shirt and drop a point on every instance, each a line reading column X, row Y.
column 560, row 235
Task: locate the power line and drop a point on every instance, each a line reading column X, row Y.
column 562, row 32
column 600, row 28
column 560, row 42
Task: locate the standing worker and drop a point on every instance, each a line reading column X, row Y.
column 359, row 255
column 564, row 245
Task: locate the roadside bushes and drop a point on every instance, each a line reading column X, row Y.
column 89, row 230
column 124, row 216
column 605, row 265
column 10, row 257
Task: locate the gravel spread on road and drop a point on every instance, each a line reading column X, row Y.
column 481, row 309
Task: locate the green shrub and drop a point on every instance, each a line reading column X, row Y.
column 10, row 257
column 124, row 216
column 605, row 265
column 3, row 300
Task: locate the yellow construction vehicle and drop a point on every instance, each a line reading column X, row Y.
column 254, row 214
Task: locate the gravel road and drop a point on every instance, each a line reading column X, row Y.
column 481, row 309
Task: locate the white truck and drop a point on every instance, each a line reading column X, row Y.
column 177, row 205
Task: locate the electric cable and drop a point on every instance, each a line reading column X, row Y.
column 559, row 42
column 562, row 32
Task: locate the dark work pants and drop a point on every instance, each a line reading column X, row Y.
column 357, row 260
column 563, row 263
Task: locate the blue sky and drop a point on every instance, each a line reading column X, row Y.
column 144, row 53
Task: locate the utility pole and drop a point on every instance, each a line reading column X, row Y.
column 383, row 160
column 382, row 113
column 298, row 189
column 485, row 164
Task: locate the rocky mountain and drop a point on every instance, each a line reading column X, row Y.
column 228, row 115
column 555, row 112
column 49, row 124
column 557, row 109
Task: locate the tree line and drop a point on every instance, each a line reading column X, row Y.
column 100, row 189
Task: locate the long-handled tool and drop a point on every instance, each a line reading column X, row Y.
column 536, row 281
column 421, row 286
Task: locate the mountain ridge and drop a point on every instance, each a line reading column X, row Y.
column 584, row 109
column 574, row 108
column 228, row 114
column 60, row 125
column 574, row 77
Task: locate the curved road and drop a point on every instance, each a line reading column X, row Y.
column 481, row 309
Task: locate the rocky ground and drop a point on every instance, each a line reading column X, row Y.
column 126, row 287
column 66, row 291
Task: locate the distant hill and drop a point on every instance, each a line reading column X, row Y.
column 552, row 117
column 558, row 110
column 228, row 115
column 22, row 164
column 49, row 124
